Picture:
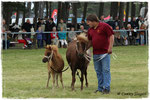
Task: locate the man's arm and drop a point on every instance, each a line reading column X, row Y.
column 111, row 44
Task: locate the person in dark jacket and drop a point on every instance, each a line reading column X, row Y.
column 111, row 23
column 47, row 25
column 133, row 23
column 117, row 22
column 39, row 22
column 27, row 27
column 47, row 29
column 134, row 26
column 84, row 24
column 131, row 35
column 137, row 21
column 51, row 25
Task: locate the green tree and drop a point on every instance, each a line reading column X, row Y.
column 101, row 9
column 47, row 8
column 36, row 7
column 9, row 7
column 85, row 10
column 133, row 10
column 28, row 13
column 59, row 12
column 50, row 9
column 121, row 13
column 114, row 9
column 74, row 19
column 24, row 12
column 127, row 13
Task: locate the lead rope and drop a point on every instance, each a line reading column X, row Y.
column 49, row 57
column 100, row 58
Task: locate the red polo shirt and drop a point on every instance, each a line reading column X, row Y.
column 100, row 38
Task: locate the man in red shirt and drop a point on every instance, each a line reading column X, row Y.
column 101, row 38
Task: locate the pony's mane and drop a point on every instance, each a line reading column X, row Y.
column 55, row 49
column 52, row 47
column 82, row 38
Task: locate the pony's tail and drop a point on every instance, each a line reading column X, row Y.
column 59, row 71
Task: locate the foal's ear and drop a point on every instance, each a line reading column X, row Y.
column 54, row 48
column 48, row 47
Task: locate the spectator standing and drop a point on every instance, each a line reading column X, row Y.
column 130, row 35
column 71, row 35
column 43, row 34
column 84, row 24
column 117, row 22
column 39, row 22
column 141, row 21
column 52, row 24
column 54, row 36
column 102, row 18
column 142, row 33
column 117, row 36
column 133, row 23
column 134, row 27
column 137, row 21
column 47, row 25
column 63, row 25
column 42, row 25
column 39, row 37
column 5, row 29
column 124, row 36
column 111, row 23
column 62, row 37
column 47, row 29
column 27, row 27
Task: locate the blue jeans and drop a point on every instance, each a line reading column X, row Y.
column 39, row 43
column 142, row 39
column 8, row 43
column 102, row 69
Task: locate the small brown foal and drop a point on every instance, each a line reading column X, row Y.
column 55, row 64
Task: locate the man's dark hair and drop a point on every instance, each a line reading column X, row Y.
column 92, row 18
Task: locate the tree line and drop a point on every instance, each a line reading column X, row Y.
column 44, row 9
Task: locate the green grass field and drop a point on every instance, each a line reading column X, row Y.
column 25, row 76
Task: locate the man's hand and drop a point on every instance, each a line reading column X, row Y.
column 111, row 44
column 110, row 51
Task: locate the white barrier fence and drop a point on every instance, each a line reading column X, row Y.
column 5, row 34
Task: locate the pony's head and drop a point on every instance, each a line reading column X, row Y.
column 49, row 51
column 81, row 45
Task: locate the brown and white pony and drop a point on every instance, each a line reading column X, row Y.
column 78, row 58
